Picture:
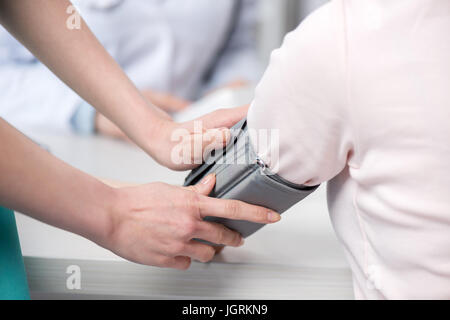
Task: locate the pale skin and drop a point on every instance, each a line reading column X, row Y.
column 152, row 224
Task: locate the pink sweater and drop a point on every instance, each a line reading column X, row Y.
column 360, row 93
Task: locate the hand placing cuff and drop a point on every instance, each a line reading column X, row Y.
column 184, row 146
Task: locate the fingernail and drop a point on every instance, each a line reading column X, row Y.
column 273, row 216
column 242, row 242
column 208, row 178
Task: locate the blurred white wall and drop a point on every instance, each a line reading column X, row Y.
column 277, row 17
column 305, row 7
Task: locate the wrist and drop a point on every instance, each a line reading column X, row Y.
column 104, row 226
column 158, row 135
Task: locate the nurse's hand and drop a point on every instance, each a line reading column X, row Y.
column 155, row 224
column 184, row 146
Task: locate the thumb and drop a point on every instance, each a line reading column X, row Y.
column 224, row 117
column 205, row 186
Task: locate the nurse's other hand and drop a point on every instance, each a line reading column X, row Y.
column 155, row 224
column 165, row 101
column 184, row 146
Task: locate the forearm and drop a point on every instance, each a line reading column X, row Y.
column 81, row 62
column 35, row 183
column 152, row 224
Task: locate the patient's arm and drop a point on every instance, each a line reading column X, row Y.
column 83, row 64
column 303, row 95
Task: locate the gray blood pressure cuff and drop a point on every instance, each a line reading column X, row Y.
column 241, row 175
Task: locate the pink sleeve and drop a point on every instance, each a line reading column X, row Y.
column 303, row 95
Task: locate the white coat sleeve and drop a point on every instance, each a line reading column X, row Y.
column 31, row 96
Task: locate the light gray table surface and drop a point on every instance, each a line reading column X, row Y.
column 298, row 258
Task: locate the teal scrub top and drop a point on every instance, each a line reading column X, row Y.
column 13, row 279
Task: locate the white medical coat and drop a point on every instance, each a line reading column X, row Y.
column 164, row 45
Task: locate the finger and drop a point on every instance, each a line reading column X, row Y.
column 236, row 210
column 213, row 139
column 200, row 251
column 219, row 234
column 205, row 186
column 180, row 263
column 224, row 117
column 201, row 144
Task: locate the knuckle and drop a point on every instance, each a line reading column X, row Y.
column 177, row 249
column 233, row 209
column 261, row 214
column 189, row 227
column 195, row 200
column 220, row 236
column 191, row 200
column 191, row 188
column 236, row 238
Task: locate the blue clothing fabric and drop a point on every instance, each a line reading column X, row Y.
column 83, row 120
column 13, row 280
